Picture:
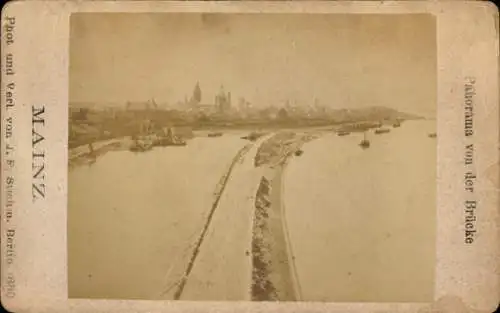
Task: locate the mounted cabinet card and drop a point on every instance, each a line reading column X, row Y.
column 242, row 156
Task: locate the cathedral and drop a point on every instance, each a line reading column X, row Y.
column 223, row 101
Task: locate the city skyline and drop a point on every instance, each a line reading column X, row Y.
column 387, row 61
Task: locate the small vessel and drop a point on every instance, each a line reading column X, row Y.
column 365, row 143
column 253, row 136
column 432, row 135
column 141, row 144
column 140, row 147
column 215, row 134
column 165, row 142
column 382, row 130
column 178, row 142
column 396, row 124
column 342, row 133
column 169, row 139
column 299, row 152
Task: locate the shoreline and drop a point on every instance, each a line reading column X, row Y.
column 81, row 155
column 274, row 276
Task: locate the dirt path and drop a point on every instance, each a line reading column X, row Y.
column 274, row 276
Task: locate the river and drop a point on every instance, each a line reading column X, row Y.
column 133, row 218
column 362, row 221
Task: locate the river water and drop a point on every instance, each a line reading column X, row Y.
column 133, row 217
column 362, row 222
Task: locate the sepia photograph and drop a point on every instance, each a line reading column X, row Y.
column 252, row 157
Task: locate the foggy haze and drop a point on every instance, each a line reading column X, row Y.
column 342, row 61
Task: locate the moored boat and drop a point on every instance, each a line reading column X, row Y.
column 365, row 143
column 169, row 139
column 141, row 146
column 381, row 131
column 215, row 134
column 165, row 142
column 253, row 136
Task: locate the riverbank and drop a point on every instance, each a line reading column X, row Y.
column 277, row 149
column 273, row 272
column 88, row 153
column 83, row 154
column 243, row 251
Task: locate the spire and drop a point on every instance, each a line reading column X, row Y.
column 197, row 93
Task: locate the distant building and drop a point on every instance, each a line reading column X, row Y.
column 244, row 107
column 206, row 109
column 223, row 101
column 242, row 104
column 195, row 99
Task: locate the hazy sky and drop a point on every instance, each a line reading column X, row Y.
column 345, row 61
